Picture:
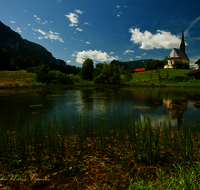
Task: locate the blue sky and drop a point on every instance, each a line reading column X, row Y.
column 103, row 30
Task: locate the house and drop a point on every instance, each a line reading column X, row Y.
column 195, row 73
column 198, row 63
column 178, row 54
column 139, row 70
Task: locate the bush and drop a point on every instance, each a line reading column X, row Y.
column 57, row 77
column 180, row 65
column 41, row 72
column 99, row 79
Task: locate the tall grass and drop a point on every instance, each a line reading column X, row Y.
column 51, row 139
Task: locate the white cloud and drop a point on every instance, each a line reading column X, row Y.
column 143, row 54
column 128, row 51
column 35, row 15
column 12, row 21
column 192, row 24
column 93, row 54
column 73, row 19
column 18, row 30
column 111, row 53
column 131, row 59
column 79, row 29
column 42, row 32
column 125, row 6
column 38, row 18
column 147, row 40
column 118, row 6
column 51, row 35
column 138, row 57
column 87, row 42
column 29, row 24
column 87, row 23
column 68, row 61
column 78, row 11
column 118, row 15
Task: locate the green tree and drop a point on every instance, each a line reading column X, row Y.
column 98, row 69
column 154, row 64
column 109, row 75
column 89, row 63
column 128, row 74
column 87, row 69
column 86, row 73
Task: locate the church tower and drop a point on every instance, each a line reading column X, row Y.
column 178, row 54
column 182, row 45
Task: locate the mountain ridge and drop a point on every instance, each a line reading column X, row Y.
column 12, row 42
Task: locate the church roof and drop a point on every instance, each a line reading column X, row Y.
column 176, row 53
column 197, row 62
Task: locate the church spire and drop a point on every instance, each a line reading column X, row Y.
column 182, row 45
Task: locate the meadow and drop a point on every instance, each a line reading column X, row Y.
column 42, row 152
column 163, row 77
column 12, row 79
column 168, row 77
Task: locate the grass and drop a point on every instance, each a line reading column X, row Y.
column 81, row 152
column 13, row 79
column 152, row 78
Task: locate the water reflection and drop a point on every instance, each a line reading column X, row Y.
column 103, row 103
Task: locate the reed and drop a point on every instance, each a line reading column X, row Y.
column 131, row 144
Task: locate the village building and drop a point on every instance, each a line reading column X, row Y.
column 195, row 73
column 178, row 54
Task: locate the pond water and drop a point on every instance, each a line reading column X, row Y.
column 176, row 104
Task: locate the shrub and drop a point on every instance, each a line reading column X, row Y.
column 99, row 79
column 180, row 65
column 57, row 77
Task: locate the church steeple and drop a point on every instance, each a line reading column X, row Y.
column 182, row 45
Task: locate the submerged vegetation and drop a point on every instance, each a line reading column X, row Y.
column 83, row 152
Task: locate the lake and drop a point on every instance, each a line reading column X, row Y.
column 176, row 104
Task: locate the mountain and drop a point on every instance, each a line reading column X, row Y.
column 131, row 64
column 12, row 42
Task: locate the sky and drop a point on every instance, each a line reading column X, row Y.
column 104, row 30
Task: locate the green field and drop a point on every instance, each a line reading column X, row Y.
column 12, row 79
column 176, row 77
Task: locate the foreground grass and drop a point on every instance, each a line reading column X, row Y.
column 50, row 153
column 12, row 79
column 152, row 78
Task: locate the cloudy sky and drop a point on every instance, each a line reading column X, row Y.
column 103, row 30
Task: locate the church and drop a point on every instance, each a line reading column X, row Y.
column 178, row 54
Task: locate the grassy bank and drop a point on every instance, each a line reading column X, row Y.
column 12, row 79
column 160, row 77
column 43, row 152
column 168, row 77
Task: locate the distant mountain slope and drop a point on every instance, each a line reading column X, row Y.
column 12, row 42
column 131, row 64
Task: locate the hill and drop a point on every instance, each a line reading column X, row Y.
column 130, row 64
column 12, row 42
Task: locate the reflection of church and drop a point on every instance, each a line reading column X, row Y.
column 178, row 54
column 176, row 109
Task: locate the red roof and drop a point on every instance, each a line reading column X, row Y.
column 140, row 69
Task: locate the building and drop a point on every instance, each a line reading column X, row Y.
column 195, row 73
column 178, row 54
